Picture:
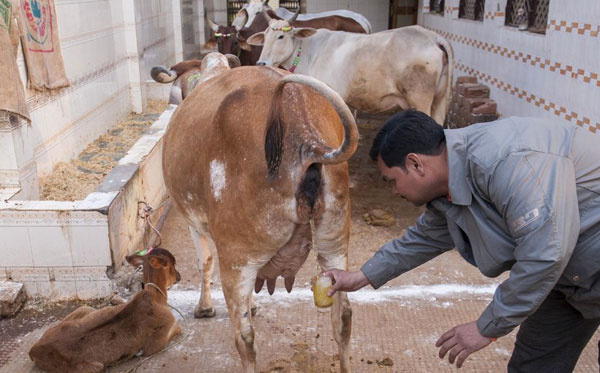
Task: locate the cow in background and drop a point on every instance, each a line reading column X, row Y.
column 409, row 67
column 186, row 75
column 245, row 16
column 252, row 176
column 232, row 39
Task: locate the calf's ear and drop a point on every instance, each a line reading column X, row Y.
column 135, row 260
column 257, row 39
column 304, row 32
column 157, row 262
column 210, row 44
column 244, row 45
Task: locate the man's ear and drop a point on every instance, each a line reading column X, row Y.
column 304, row 32
column 210, row 44
column 414, row 163
column 135, row 260
column 257, row 39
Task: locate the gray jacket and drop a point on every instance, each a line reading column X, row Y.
column 526, row 198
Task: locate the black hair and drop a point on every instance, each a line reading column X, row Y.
column 410, row 131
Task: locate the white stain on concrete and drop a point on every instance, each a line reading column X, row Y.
column 218, row 181
column 187, row 299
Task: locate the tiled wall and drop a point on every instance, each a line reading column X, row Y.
column 555, row 75
column 376, row 11
column 108, row 48
column 54, row 251
column 71, row 249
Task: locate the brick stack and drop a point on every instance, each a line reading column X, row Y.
column 471, row 103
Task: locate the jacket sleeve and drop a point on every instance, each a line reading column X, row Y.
column 536, row 195
column 421, row 242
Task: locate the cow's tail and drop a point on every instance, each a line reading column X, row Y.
column 443, row 94
column 318, row 153
column 161, row 74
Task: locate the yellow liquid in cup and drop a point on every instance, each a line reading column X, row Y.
column 320, row 287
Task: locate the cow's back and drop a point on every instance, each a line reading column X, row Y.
column 214, row 159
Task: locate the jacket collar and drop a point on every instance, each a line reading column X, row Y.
column 456, row 145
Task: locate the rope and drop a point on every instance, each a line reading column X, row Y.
column 146, row 212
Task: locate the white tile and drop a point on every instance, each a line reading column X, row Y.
column 90, row 246
column 28, row 274
column 50, row 246
column 15, row 249
column 62, row 274
column 94, row 289
column 31, row 288
column 90, row 273
column 56, row 290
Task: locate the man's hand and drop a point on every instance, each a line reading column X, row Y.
column 461, row 341
column 345, row 281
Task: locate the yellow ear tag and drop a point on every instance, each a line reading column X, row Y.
column 286, row 28
column 218, row 34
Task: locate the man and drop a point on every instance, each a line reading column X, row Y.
column 516, row 194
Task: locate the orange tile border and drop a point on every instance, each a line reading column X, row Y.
column 547, row 105
column 574, row 27
column 542, row 63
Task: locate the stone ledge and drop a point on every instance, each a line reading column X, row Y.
column 12, row 297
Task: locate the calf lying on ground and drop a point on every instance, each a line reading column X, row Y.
column 88, row 339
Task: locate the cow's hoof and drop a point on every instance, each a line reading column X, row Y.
column 254, row 310
column 201, row 313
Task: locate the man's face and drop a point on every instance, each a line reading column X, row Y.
column 411, row 184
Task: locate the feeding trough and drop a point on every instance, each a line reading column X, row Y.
column 68, row 249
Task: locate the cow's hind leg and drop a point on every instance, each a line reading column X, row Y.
column 238, row 283
column 205, row 306
column 332, row 248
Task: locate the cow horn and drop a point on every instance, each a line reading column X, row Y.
column 161, row 74
column 323, row 154
column 213, row 26
column 293, row 18
column 265, row 2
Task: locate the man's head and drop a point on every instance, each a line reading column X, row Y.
column 410, row 153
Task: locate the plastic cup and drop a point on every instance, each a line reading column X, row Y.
column 321, row 285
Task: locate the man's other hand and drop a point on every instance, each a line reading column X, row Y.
column 345, row 281
column 461, row 341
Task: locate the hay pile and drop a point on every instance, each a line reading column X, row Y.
column 74, row 180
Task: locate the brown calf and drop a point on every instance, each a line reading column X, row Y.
column 88, row 339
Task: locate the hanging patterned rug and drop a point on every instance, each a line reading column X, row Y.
column 41, row 45
column 12, row 95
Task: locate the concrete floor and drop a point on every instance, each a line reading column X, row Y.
column 400, row 321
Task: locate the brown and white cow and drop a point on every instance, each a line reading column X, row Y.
column 354, row 22
column 252, row 176
column 409, row 67
column 186, row 75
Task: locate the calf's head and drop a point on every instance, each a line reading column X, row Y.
column 226, row 39
column 279, row 41
column 158, row 265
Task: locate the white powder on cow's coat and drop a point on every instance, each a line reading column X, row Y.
column 218, row 181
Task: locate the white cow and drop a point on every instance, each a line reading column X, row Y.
column 404, row 68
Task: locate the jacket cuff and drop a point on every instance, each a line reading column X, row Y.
column 375, row 273
column 488, row 327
